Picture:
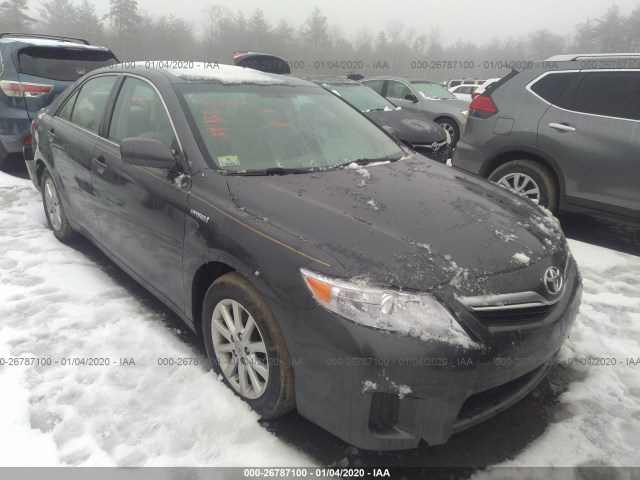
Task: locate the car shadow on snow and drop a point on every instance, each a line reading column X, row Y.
column 614, row 233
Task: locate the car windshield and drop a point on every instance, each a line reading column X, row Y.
column 433, row 91
column 270, row 129
column 360, row 96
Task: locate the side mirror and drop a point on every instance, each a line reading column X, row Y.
column 411, row 97
column 146, row 152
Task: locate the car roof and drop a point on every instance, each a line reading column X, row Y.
column 585, row 56
column 402, row 79
column 329, row 79
column 203, row 72
column 46, row 42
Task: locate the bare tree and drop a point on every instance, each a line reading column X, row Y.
column 13, row 16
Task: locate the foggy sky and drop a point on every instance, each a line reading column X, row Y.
column 473, row 20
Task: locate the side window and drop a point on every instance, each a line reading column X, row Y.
column 454, row 83
column 139, row 112
column 376, row 85
column 65, row 111
column 613, row 94
column 552, row 86
column 91, row 102
column 398, row 90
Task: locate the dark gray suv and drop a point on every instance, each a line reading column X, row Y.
column 564, row 133
column 34, row 70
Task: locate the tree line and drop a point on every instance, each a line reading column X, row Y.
column 315, row 45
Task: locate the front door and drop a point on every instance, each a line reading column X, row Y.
column 141, row 210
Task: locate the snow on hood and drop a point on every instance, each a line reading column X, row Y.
column 378, row 224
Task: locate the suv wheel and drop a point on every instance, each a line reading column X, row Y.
column 54, row 210
column 528, row 179
column 245, row 345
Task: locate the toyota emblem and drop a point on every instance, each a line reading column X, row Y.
column 553, row 280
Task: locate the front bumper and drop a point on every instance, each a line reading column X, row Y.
column 379, row 391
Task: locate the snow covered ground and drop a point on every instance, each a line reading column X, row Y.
column 56, row 303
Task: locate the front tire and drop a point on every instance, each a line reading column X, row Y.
column 54, row 210
column 529, row 179
column 245, row 344
column 451, row 127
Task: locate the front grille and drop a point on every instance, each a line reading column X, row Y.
column 441, row 155
column 515, row 316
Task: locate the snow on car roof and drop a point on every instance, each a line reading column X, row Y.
column 227, row 74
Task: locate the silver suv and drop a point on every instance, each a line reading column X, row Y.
column 564, row 133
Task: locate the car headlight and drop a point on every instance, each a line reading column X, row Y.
column 417, row 315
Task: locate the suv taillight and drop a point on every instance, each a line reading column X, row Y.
column 482, row 106
column 474, row 95
column 26, row 90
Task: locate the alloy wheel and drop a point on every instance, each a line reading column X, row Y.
column 52, row 204
column 521, row 184
column 240, row 349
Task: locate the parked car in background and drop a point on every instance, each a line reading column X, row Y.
column 462, row 81
column 34, row 69
column 295, row 236
column 564, row 133
column 463, row 92
column 265, row 62
column 424, row 96
column 481, row 88
column 414, row 129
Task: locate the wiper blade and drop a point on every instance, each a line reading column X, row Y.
column 275, row 171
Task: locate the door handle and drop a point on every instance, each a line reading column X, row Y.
column 51, row 133
column 100, row 163
column 562, row 127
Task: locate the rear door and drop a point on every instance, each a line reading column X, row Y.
column 593, row 132
column 141, row 210
column 72, row 136
column 45, row 72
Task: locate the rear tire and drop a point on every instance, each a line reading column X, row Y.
column 529, row 179
column 54, row 210
column 246, row 347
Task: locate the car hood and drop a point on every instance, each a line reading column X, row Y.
column 411, row 223
column 409, row 127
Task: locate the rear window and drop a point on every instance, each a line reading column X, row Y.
column 67, row 64
column 551, row 86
